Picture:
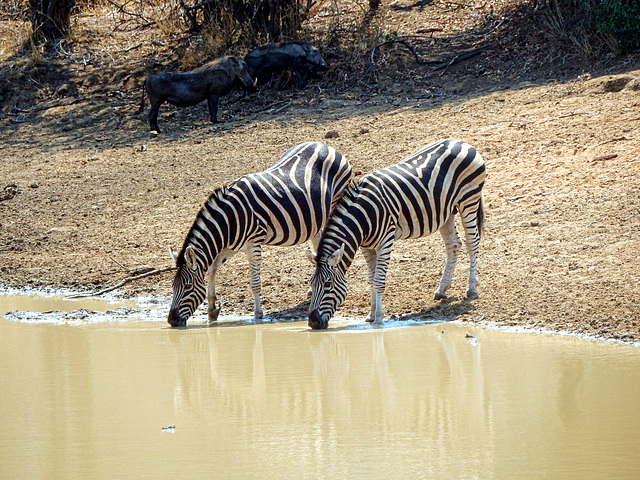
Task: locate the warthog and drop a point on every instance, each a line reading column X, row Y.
column 207, row 82
column 301, row 57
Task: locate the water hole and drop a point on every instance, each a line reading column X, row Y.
column 91, row 394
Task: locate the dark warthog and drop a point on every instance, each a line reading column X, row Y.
column 301, row 57
column 207, row 82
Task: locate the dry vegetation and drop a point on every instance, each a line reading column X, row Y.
column 83, row 186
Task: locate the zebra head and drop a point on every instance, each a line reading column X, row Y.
column 189, row 288
column 328, row 290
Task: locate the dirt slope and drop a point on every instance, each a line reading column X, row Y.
column 85, row 190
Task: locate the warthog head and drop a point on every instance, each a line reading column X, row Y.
column 243, row 78
column 313, row 56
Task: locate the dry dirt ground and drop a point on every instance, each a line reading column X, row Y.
column 86, row 191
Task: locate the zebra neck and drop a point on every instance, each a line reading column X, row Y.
column 332, row 243
column 217, row 227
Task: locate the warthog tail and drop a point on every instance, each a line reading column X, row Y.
column 144, row 88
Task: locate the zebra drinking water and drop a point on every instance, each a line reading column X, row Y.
column 411, row 199
column 285, row 205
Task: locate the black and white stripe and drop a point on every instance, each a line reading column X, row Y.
column 286, row 204
column 411, row 199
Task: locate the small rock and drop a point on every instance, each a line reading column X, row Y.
column 633, row 84
column 616, row 84
column 364, row 130
column 332, row 134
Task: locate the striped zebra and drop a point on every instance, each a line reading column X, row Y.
column 286, row 204
column 411, row 199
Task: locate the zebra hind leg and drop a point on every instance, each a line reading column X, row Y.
column 254, row 254
column 452, row 243
column 470, row 219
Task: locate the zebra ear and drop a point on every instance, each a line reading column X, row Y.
column 172, row 254
column 309, row 254
column 335, row 257
column 190, row 257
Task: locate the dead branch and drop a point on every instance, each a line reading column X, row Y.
column 132, row 14
column 402, row 41
column 123, row 282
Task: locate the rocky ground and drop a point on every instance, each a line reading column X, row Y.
column 88, row 197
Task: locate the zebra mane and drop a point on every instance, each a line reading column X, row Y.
column 350, row 195
column 219, row 193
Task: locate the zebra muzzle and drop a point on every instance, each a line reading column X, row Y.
column 175, row 320
column 317, row 321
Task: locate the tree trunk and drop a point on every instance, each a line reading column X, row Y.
column 50, row 19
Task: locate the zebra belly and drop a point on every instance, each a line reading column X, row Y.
column 407, row 230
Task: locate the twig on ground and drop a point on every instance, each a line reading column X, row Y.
column 128, row 49
column 460, row 58
column 412, row 49
column 604, row 157
column 617, row 139
column 121, row 265
column 123, row 282
column 520, row 197
column 282, row 103
column 494, row 28
column 573, row 114
column 283, row 107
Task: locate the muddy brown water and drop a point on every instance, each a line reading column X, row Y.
column 94, row 396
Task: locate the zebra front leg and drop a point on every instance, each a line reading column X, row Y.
column 378, row 274
column 213, row 309
column 452, row 243
column 254, row 255
column 371, row 256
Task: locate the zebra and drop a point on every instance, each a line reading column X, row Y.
column 410, row 199
column 287, row 204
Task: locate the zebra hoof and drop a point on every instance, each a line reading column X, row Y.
column 471, row 294
column 439, row 296
column 214, row 311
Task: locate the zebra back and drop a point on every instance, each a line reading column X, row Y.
column 410, row 199
column 287, row 204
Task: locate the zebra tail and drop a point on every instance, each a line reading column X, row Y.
column 480, row 216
